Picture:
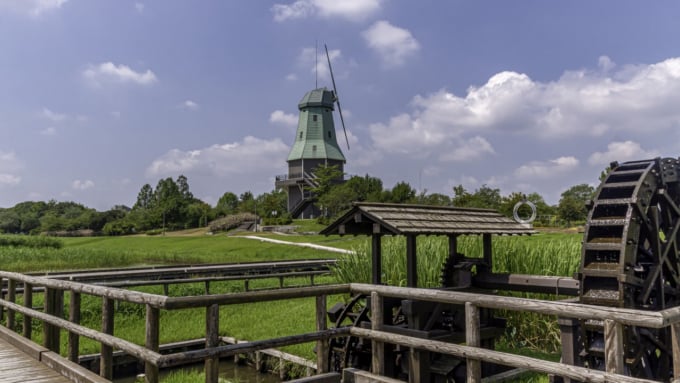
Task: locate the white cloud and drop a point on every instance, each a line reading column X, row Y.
column 467, row 150
column 291, row 77
column 33, row 8
column 10, row 165
column 82, row 185
column 110, row 72
column 283, row 118
column 578, row 104
column 49, row 131
column 348, row 9
column 139, row 7
column 547, row 169
column 316, row 60
column 246, row 157
column 9, row 179
column 189, row 105
column 393, row 44
column 52, row 116
column 605, row 63
column 621, row 151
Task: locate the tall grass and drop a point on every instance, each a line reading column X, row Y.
column 554, row 255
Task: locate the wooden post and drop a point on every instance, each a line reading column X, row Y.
column 207, row 287
column 376, row 258
column 472, row 339
column 259, row 366
column 212, row 339
column 487, row 250
column 322, row 362
column 2, row 308
column 152, row 342
column 166, row 292
column 377, row 320
column 675, row 343
column 74, row 317
column 411, row 261
column 613, row 347
column 246, row 285
column 453, row 247
column 53, row 306
column 28, row 302
column 11, row 297
column 106, row 361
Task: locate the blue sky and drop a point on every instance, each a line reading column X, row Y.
column 99, row 97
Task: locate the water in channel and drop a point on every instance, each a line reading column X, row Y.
column 229, row 371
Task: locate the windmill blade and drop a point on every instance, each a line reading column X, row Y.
column 337, row 98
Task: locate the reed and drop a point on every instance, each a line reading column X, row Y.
column 554, row 255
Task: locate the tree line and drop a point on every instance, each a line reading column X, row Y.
column 172, row 206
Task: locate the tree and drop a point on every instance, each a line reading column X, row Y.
column 402, row 192
column 572, row 205
column 144, row 198
column 227, row 204
column 461, row 197
column 325, row 177
column 364, row 188
column 183, row 186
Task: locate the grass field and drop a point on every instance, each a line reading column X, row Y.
column 543, row 254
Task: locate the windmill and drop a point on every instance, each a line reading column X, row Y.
column 315, row 145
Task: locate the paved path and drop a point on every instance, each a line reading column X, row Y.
column 17, row 367
column 301, row 244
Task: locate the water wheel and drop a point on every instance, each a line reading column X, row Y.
column 631, row 258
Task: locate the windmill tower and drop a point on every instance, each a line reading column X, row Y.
column 315, row 145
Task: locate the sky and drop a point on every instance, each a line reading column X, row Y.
column 98, row 98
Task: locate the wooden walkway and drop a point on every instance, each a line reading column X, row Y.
column 18, row 367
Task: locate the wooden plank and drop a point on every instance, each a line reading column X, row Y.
column 631, row 317
column 378, row 348
column 376, row 259
column 28, row 302
column 411, row 262
column 472, row 339
column 497, row 357
column 11, row 296
column 322, row 345
column 174, row 303
column 138, row 352
column 30, row 348
column 106, row 361
column 675, row 346
column 212, row 340
column 152, row 342
column 613, row 345
column 73, row 317
column 73, row 371
column 18, row 367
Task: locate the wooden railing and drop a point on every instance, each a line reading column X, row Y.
column 52, row 318
column 614, row 319
column 53, row 321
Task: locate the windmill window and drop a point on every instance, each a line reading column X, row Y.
column 314, row 148
column 300, row 135
column 314, row 116
column 329, row 134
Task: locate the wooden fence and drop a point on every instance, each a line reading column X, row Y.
column 53, row 319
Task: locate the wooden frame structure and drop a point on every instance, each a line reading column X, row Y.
column 379, row 219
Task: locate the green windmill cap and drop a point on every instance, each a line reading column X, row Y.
column 315, row 139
